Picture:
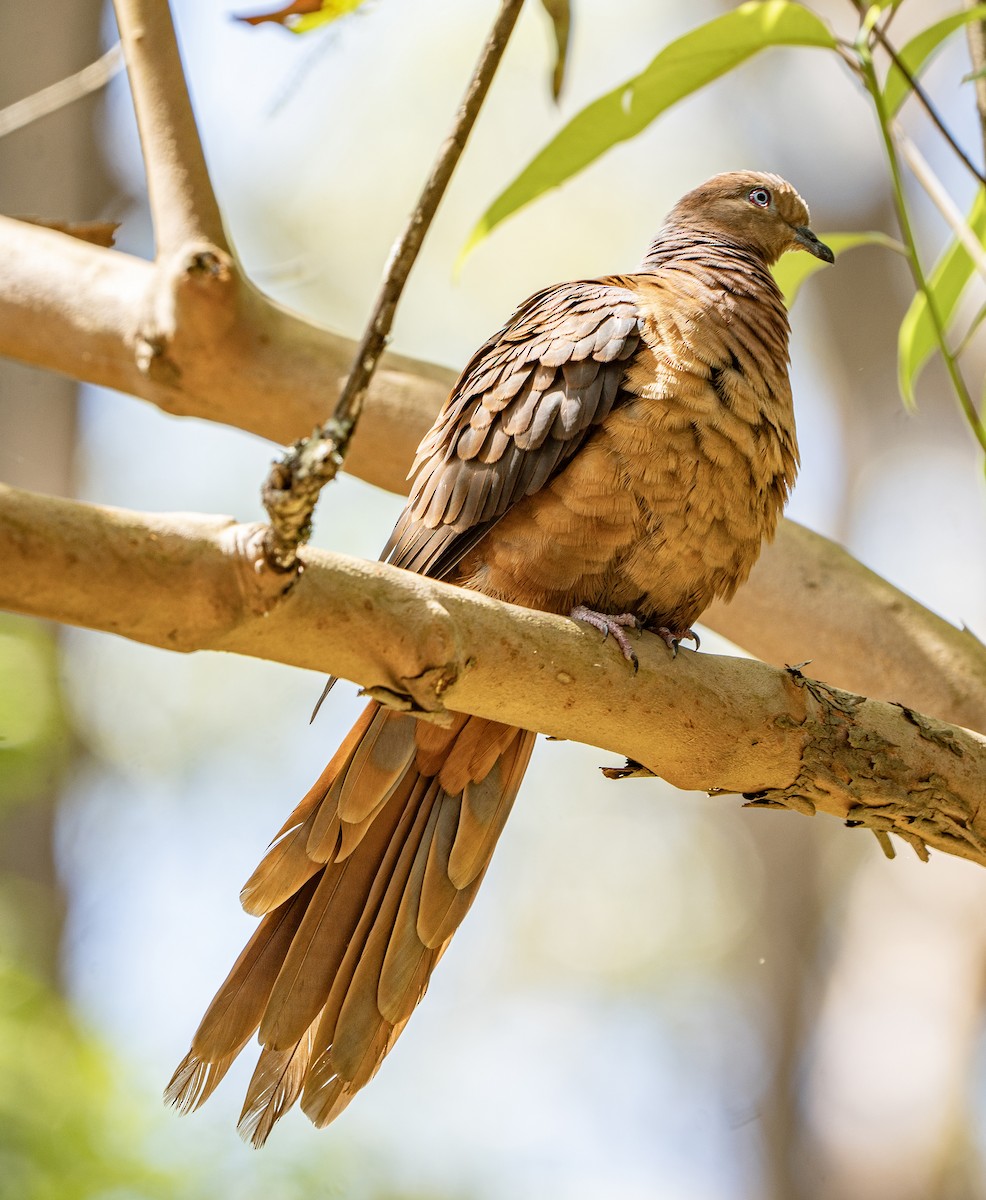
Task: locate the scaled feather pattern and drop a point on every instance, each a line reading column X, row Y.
column 622, row 445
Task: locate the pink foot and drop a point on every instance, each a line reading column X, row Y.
column 673, row 637
column 608, row 624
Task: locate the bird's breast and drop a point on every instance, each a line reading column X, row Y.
column 662, row 510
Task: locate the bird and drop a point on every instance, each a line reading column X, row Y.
column 617, row 452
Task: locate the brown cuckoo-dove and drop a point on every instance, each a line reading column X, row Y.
column 617, row 452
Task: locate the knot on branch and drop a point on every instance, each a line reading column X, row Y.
column 203, row 281
column 260, row 588
column 191, row 306
column 292, row 487
column 416, row 674
column 422, row 694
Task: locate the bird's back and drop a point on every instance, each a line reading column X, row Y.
column 668, row 500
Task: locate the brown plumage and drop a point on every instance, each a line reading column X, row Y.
column 623, row 444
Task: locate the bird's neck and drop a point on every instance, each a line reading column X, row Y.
column 697, row 251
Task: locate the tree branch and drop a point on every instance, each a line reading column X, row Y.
column 183, row 204
column 202, row 342
column 198, row 341
column 700, row 721
column 59, row 95
column 924, row 99
column 809, row 599
column 193, row 336
column 294, row 483
column 936, row 192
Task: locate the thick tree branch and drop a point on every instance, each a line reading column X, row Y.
column 809, row 599
column 192, row 336
column 195, row 338
column 698, row 720
column 183, row 204
column 66, row 304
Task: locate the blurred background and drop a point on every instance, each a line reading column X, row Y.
column 658, row 996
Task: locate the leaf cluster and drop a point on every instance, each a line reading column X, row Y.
column 704, row 54
column 709, row 51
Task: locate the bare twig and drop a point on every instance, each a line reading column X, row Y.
column 61, row 94
column 918, row 273
column 976, row 33
column 183, row 204
column 925, row 100
column 292, row 488
column 939, row 196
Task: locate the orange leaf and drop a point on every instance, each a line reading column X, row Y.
column 299, row 8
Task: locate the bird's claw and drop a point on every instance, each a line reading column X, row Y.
column 674, row 637
column 608, row 624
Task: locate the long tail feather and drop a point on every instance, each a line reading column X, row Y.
column 362, row 889
column 275, row 1086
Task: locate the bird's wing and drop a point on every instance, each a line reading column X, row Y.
column 524, row 404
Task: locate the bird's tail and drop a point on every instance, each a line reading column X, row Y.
column 360, row 893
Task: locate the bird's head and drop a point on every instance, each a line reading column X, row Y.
column 754, row 208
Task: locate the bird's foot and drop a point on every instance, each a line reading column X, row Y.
column 608, row 624
column 674, row 637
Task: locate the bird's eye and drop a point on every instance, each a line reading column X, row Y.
column 760, row 197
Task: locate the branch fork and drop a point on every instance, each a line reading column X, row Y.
column 192, row 335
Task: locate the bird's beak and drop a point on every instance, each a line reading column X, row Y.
column 806, row 240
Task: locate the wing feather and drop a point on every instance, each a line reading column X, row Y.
column 525, row 402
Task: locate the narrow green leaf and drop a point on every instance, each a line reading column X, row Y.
column 682, row 67
column 793, row 269
column 916, row 339
column 915, row 54
column 560, row 12
column 872, row 15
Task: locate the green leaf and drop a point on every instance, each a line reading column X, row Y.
column 870, row 18
column 560, row 12
column 918, row 50
column 917, row 339
column 682, row 67
column 793, row 269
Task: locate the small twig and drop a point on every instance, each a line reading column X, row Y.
column 970, row 333
column 940, row 198
column 183, row 203
column 891, row 13
column 924, row 98
column 976, row 34
column 293, row 485
column 61, row 94
column 850, row 56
